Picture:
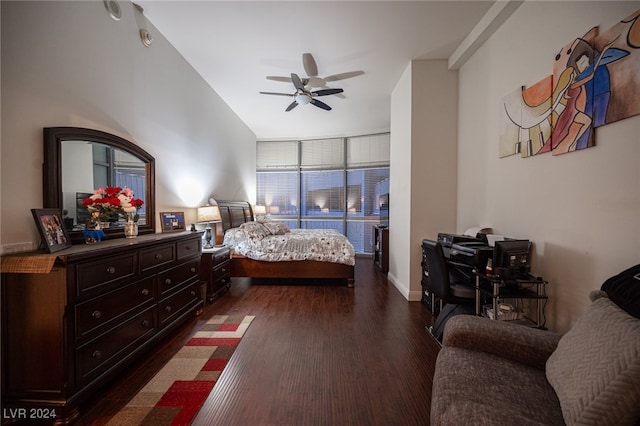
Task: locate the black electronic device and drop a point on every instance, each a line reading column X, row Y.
column 447, row 240
column 511, row 257
column 473, row 254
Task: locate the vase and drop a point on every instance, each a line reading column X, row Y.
column 130, row 229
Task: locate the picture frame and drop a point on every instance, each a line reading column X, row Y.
column 52, row 231
column 172, row 221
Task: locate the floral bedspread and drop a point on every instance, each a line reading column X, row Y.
column 324, row 245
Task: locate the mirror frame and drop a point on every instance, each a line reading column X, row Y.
column 52, row 173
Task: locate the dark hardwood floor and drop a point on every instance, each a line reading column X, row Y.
column 316, row 354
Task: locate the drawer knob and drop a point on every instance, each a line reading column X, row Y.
column 188, row 247
column 193, row 293
column 96, row 314
column 146, row 323
column 111, row 270
column 167, row 308
column 97, row 354
column 145, row 291
column 224, row 270
column 193, row 269
column 159, row 256
column 167, row 281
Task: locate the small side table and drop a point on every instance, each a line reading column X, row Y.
column 215, row 269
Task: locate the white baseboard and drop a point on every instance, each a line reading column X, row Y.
column 411, row 296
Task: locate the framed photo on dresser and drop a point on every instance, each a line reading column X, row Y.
column 172, row 221
column 51, row 228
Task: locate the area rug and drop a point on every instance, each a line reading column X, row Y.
column 176, row 393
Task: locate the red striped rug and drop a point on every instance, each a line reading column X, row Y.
column 174, row 395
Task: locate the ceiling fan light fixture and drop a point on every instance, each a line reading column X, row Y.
column 302, row 98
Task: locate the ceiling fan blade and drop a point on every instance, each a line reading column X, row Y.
column 326, row 92
column 297, row 82
column 338, row 95
column 320, row 104
column 343, row 75
column 309, row 65
column 275, row 93
column 282, row 79
column 291, row 106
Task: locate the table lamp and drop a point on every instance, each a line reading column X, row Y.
column 208, row 214
column 259, row 211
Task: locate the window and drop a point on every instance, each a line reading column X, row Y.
column 326, row 183
column 113, row 167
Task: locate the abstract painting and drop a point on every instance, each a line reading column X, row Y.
column 595, row 81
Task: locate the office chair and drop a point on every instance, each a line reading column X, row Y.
column 455, row 297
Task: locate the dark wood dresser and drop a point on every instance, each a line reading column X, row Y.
column 73, row 319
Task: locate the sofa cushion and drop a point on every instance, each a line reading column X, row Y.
column 595, row 370
column 472, row 387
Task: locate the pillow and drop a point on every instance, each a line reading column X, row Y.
column 595, row 370
column 624, row 290
column 254, row 230
column 263, row 218
column 276, row 228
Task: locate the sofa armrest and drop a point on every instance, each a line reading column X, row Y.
column 519, row 343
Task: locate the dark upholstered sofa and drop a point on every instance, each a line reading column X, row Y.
column 497, row 373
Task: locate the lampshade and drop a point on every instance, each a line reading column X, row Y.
column 209, row 214
column 302, row 99
column 259, row 210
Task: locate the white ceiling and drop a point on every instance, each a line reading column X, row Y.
column 234, row 45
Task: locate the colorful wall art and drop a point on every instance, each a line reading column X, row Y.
column 595, row 81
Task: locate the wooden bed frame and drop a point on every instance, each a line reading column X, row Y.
column 235, row 213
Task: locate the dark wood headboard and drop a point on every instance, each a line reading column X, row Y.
column 234, row 213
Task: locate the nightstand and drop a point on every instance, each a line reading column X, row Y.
column 215, row 269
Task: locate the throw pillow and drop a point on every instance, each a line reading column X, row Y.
column 255, row 230
column 595, row 369
column 263, row 218
column 624, row 290
column 276, row 227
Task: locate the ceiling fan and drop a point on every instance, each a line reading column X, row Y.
column 303, row 96
column 312, row 79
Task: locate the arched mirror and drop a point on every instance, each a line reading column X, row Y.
column 77, row 161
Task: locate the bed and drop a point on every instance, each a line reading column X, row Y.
column 236, row 213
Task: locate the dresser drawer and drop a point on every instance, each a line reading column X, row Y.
column 222, row 269
column 222, row 275
column 189, row 248
column 175, row 277
column 103, row 353
column 178, row 303
column 221, row 256
column 157, row 256
column 222, row 281
column 97, row 274
column 110, row 308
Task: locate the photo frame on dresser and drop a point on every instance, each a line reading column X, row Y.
column 172, row 221
column 52, row 231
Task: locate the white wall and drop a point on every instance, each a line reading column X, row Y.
column 580, row 209
column 423, row 167
column 71, row 64
column 400, row 183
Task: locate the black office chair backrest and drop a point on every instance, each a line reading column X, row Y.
column 438, row 280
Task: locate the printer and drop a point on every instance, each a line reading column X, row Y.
column 473, row 254
column 447, row 240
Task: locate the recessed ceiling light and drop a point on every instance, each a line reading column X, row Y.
column 113, row 7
